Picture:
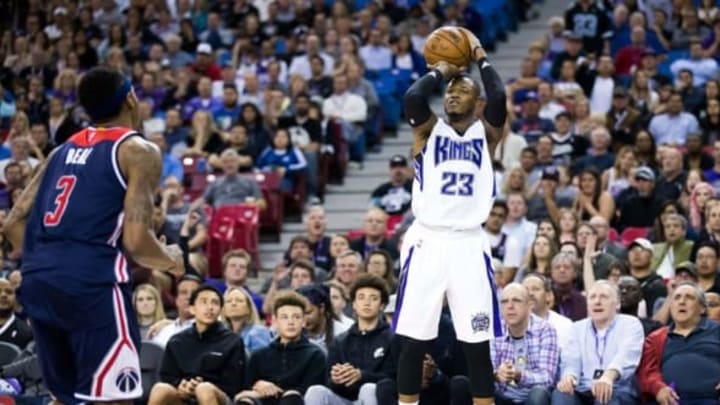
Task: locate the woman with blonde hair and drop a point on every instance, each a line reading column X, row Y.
column 514, row 181
column 242, row 317
column 64, row 87
column 618, row 178
column 205, row 139
column 583, row 122
column 568, row 223
column 148, row 307
column 700, row 195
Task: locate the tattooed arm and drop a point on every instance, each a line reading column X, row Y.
column 14, row 226
column 141, row 164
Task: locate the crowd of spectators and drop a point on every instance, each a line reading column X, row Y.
column 605, row 236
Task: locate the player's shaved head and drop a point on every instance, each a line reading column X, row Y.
column 466, row 79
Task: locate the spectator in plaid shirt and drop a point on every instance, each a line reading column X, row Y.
column 526, row 358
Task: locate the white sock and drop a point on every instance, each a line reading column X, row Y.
column 408, row 403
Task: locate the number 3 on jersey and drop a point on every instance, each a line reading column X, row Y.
column 457, row 183
column 65, row 185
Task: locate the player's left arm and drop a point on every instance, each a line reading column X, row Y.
column 496, row 106
column 14, row 225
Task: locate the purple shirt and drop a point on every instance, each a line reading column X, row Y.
column 541, row 354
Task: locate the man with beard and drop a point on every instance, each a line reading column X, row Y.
column 305, row 133
column 630, row 297
column 12, row 329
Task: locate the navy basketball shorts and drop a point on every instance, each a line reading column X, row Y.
column 446, row 264
column 87, row 339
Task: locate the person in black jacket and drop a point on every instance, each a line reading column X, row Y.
column 280, row 373
column 356, row 358
column 204, row 363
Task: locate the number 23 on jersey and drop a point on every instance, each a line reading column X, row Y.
column 457, row 183
column 65, row 186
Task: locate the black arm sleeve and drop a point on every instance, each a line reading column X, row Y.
column 417, row 109
column 496, row 107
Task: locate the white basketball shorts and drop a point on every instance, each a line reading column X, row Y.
column 452, row 264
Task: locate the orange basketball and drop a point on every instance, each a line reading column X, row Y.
column 448, row 44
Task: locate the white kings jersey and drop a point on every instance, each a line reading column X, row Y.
column 454, row 186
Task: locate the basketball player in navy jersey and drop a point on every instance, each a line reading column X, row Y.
column 90, row 204
column 445, row 252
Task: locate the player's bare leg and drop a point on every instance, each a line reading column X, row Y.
column 408, row 399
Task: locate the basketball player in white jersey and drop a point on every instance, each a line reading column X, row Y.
column 445, row 252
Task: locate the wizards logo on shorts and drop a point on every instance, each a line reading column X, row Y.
column 480, row 322
column 127, row 379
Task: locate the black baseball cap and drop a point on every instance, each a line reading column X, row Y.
column 398, row 160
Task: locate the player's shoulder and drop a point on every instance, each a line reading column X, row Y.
column 138, row 148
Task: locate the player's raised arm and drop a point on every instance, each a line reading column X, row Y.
column 14, row 226
column 416, row 105
column 141, row 163
column 496, row 107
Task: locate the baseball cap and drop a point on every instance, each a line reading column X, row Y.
column 643, row 243
column 60, row 11
column 398, row 160
column 550, row 173
column 644, row 173
column 687, row 267
column 392, row 302
column 204, row 48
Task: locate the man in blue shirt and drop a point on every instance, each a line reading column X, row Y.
column 604, row 352
column 171, row 164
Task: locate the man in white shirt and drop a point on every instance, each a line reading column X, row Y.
column 20, row 153
column 185, row 318
column 352, row 110
column 376, row 55
column 517, row 225
column 549, row 108
column 300, row 65
column 540, row 290
column 503, row 246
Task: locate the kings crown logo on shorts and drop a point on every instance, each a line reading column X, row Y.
column 480, row 322
column 127, row 379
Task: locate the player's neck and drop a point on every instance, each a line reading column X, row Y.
column 121, row 120
column 461, row 124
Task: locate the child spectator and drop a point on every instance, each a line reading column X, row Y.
column 282, row 158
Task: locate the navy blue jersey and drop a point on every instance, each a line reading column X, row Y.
column 75, row 226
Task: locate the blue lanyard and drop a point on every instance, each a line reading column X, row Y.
column 600, row 354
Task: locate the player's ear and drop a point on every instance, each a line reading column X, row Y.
column 131, row 99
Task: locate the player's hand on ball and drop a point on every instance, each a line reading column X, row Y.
column 475, row 46
column 448, row 70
